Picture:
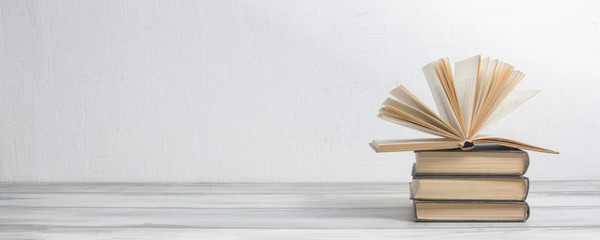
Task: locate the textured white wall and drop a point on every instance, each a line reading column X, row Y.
column 273, row 90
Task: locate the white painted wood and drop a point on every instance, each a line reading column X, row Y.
column 324, row 218
column 252, row 200
column 329, row 188
column 296, row 234
column 293, row 234
column 230, row 200
column 559, row 210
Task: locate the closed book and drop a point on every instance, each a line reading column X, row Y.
column 457, row 211
column 505, row 188
column 482, row 160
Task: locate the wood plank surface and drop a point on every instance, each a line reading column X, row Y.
column 272, row 211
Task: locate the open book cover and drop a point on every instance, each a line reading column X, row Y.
column 478, row 94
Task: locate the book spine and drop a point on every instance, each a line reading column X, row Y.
column 527, row 162
column 415, row 210
column 526, row 188
column 526, row 212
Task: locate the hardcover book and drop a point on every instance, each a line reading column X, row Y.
column 479, row 93
column 481, row 160
column 469, row 188
column 470, row 211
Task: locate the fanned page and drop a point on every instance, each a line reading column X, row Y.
column 502, row 86
column 439, row 96
column 444, row 70
column 416, row 116
column 407, row 123
column 481, row 76
column 405, row 113
column 483, row 85
column 406, row 97
column 465, row 80
column 512, row 101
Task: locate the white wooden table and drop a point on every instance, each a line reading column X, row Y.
column 559, row 210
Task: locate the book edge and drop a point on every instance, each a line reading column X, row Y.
column 525, row 217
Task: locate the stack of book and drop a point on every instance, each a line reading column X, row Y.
column 463, row 175
column 483, row 184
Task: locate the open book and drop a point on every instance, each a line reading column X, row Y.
column 479, row 93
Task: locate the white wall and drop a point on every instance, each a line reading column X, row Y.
column 273, row 90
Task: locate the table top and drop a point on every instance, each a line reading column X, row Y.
column 273, row 211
